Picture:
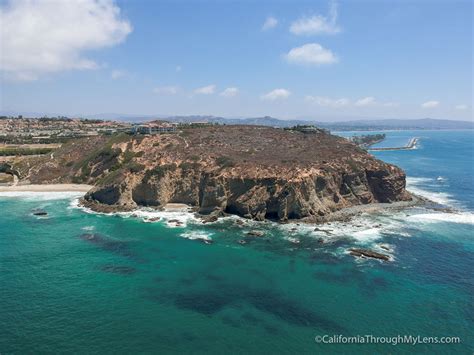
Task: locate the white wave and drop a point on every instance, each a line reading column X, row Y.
column 88, row 228
column 294, row 227
column 367, row 235
column 194, row 235
column 417, row 180
column 178, row 218
column 41, row 196
column 461, row 218
column 293, row 240
column 172, row 218
column 366, row 229
column 443, row 198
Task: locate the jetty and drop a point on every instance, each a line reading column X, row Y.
column 411, row 145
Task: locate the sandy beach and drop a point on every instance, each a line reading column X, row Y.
column 47, row 188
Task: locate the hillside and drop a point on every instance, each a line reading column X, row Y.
column 253, row 171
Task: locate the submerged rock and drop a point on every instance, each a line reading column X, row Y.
column 40, row 212
column 176, row 222
column 209, row 219
column 118, row 269
column 384, row 247
column 255, row 233
column 108, row 244
column 369, row 254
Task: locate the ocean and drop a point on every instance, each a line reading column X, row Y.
column 81, row 282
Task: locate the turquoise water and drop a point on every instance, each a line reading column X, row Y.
column 88, row 283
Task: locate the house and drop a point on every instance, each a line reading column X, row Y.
column 154, row 128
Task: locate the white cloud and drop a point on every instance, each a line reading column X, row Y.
column 41, row 37
column 178, row 68
column 430, row 104
column 277, row 94
column 327, row 101
column 461, row 107
column 269, row 23
column 117, row 74
column 343, row 102
column 317, row 24
column 166, row 90
column 206, row 90
column 230, row 92
column 312, row 54
column 391, row 104
column 366, row 101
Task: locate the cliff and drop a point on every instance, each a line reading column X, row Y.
column 255, row 172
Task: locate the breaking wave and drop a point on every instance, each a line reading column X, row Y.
column 175, row 218
column 418, row 187
column 194, row 235
column 41, row 196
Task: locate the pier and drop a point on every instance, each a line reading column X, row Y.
column 411, row 145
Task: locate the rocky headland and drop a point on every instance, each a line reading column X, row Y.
column 251, row 171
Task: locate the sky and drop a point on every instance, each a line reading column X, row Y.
column 322, row 60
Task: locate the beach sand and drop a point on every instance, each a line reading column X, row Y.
column 47, row 188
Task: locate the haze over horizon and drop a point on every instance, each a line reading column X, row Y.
column 290, row 60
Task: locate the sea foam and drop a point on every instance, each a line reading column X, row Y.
column 462, row 217
column 195, row 235
column 41, row 196
column 176, row 218
column 416, row 185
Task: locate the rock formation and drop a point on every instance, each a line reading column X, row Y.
column 255, row 172
column 273, row 183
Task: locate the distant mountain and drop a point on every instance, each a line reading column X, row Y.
column 351, row 125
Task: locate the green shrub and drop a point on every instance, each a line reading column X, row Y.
column 159, row 171
column 225, row 162
column 188, row 166
column 135, row 167
column 24, row 151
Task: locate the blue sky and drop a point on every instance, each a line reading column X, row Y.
column 317, row 59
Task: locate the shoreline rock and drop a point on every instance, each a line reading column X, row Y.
column 359, row 252
column 255, row 233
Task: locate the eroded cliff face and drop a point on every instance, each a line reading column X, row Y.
column 300, row 176
column 255, row 172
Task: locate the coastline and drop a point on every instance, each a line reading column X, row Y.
column 342, row 215
column 46, row 188
column 347, row 213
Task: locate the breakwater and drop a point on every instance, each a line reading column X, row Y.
column 411, row 145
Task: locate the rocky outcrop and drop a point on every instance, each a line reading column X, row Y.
column 367, row 253
column 254, row 172
column 256, row 190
